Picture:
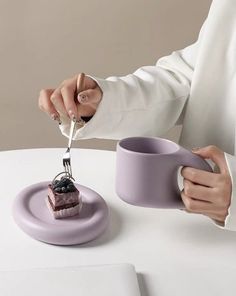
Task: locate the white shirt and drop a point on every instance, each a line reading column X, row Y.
column 195, row 87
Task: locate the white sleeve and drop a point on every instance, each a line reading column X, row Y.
column 230, row 222
column 146, row 103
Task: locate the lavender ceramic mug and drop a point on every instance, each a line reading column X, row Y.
column 146, row 171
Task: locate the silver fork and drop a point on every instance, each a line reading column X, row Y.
column 66, row 157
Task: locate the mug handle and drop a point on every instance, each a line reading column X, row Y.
column 185, row 157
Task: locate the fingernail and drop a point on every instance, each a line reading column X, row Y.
column 56, row 117
column 81, row 122
column 72, row 115
column 196, row 149
column 83, row 98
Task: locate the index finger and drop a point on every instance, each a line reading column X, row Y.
column 80, row 83
column 68, row 92
column 200, row 176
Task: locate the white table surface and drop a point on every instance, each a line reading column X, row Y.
column 174, row 253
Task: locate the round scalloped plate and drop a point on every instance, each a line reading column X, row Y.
column 31, row 214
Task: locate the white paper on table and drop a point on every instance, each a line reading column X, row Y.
column 104, row 280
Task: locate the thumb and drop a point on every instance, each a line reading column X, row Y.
column 215, row 154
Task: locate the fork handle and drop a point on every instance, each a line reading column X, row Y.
column 80, row 82
column 72, row 129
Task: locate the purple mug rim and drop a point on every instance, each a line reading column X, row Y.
column 148, row 138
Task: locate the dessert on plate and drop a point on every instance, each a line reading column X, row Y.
column 64, row 199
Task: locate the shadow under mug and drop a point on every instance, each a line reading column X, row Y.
column 147, row 171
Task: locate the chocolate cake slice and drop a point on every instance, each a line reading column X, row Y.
column 63, row 198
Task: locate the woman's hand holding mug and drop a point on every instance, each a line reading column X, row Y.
column 146, row 175
column 70, row 101
column 208, row 193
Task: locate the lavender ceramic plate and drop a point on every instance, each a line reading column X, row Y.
column 33, row 217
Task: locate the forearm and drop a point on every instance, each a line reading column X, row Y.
column 147, row 102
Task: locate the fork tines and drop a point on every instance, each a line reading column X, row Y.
column 67, row 163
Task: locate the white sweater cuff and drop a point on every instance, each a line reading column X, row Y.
column 97, row 126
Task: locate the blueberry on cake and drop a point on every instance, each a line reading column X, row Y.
column 63, row 198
